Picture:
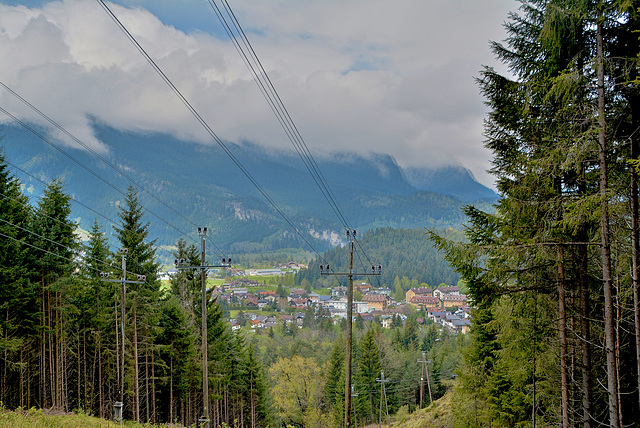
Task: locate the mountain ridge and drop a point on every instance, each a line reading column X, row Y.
column 204, row 186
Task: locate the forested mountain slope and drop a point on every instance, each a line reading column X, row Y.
column 202, row 184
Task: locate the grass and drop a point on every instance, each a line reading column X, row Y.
column 39, row 418
column 33, row 418
column 437, row 415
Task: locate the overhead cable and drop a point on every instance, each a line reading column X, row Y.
column 105, row 161
column 203, row 123
column 86, row 168
column 269, row 92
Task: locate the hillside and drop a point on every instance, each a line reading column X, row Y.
column 401, row 252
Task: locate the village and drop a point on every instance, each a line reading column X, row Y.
column 444, row 306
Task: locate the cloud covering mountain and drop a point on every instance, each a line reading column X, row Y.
column 381, row 76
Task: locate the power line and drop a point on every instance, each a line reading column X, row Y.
column 71, row 250
column 277, row 106
column 93, row 152
column 45, row 184
column 203, row 123
column 85, row 167
column 71, row 200
column 272, row 97
column 96, row 154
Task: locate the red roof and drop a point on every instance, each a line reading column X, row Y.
column 422, row 290
column 425, row 300
column 454, row 298
column 374, row 298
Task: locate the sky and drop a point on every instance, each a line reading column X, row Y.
column 364, row 76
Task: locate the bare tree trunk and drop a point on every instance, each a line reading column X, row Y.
column 635, row 233
column 618, row 375
column 153, row 388
column 585, row 331
column 609, row 327
column 136, row 386
column 52, row 373
column 171, row 390
column 42, row 392
column 100, row 397
column 3, row 381
column 562, row 326
column 146, row 380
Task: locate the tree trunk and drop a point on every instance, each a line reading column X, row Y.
column 609, row 327
column 136, row 386
column 635, row 232
column 153, row 389
column 146, row 381
column 562, row 326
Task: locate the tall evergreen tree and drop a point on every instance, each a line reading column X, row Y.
column 554, row 159
column 142, row 298
column 17, row 297
column 96, row 326
column 53, row 235
column 369, row 366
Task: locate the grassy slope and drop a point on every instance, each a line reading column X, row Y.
column 39, row 418
column 438, row 415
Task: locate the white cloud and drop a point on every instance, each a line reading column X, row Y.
column 388, row 76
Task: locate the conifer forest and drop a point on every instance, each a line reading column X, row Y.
column 554, row 270
column 552, row 273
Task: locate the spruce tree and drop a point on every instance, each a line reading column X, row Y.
column 142, row 298
column 17, row 298
column 369, row 365
column 53, row 236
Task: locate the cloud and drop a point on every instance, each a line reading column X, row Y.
column 387, row 76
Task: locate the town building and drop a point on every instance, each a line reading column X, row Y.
column 421, row 291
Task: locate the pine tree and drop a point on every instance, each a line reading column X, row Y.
column 93, row 300
column 369, row 365
column 141, row 260
column 554, row 159
column 54, row 237
column 178, row 368
column 17, row 319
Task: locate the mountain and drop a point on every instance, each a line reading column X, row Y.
column 188, row 184
column 455, row 181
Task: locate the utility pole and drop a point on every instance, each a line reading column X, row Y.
column 383, row 393
column 424, row 361
column 180, row 264
column 119, row 405
column 351, row 237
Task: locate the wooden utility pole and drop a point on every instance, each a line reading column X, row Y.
column 351, row 237
column 180, row 264
column 118, row 413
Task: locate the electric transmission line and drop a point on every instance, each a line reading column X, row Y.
column 204, row 124
column 239, row 38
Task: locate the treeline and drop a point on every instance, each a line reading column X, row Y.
column 60, row 322
column 555, row 271
column 400, row 252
